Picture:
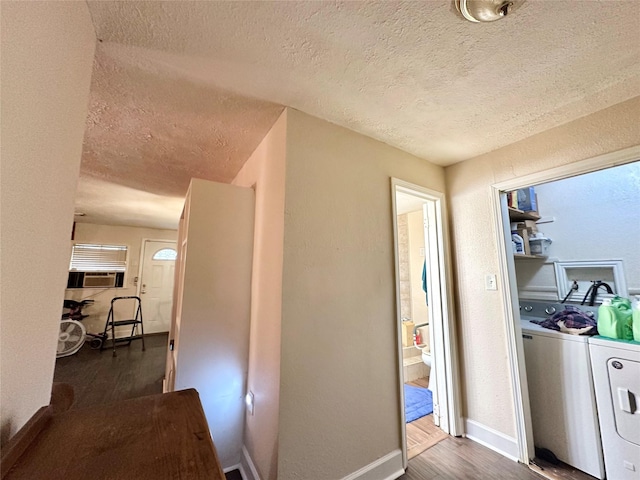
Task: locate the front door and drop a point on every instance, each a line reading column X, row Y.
column 156, row 284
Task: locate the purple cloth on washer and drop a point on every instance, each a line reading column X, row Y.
column 573, row 318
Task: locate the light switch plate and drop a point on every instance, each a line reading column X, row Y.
column 490, row 282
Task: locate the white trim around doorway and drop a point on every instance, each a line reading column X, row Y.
column 445, row 333
column 524, row 431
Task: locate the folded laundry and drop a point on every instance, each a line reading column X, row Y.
column 570, row 320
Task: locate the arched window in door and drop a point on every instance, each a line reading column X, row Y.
column 165, row 254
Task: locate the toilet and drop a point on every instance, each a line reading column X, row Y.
column 426, row 358
column 426, row 349
column 426, row 355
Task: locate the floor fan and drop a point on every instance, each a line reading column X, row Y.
column 71, row 338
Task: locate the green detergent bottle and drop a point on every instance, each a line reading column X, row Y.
column 608, row 321
column 635, row 315
column 622, row 307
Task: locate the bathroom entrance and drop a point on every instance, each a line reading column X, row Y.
column 426, row 341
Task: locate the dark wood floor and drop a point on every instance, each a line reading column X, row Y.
column 434, row 455
column 462, row 459
column 561, row 471
column 98, row 378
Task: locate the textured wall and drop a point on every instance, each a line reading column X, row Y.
column 339, row 394
column 47, row 52
column 596, row 217
column 488, row 398
column 132, row 237
column 266, row 170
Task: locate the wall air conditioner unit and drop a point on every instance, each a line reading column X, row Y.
column 99, row 280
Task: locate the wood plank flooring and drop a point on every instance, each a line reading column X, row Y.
column 98, row 378
column 434, row 455
column 462, row 459
column 422, row 433
column 561, row 471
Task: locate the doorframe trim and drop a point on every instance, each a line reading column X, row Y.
column 449, row 338
column 506, row 267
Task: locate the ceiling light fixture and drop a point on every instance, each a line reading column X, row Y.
column 486, row 10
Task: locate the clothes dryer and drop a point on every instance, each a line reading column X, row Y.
column 616, row 376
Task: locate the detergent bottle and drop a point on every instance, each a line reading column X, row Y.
column 635, row 315
column 622, row 309
column 518, row 243
column 608, row 321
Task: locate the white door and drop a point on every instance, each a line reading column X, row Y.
column 437, row 380
column 156, row 284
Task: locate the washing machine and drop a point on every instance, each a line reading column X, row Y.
column 616, row 376
column 563, row 405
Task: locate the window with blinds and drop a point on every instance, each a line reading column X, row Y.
column 87, row 257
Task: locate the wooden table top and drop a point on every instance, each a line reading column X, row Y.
column 155, row 437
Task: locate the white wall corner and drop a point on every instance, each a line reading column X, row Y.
column 388, row 467
column 247, row 468
column 490, row 438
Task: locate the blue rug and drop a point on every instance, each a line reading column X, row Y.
column 418, row 402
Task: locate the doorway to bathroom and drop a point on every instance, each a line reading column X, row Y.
column 426, row 339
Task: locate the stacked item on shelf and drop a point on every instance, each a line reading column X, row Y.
column 527, row 240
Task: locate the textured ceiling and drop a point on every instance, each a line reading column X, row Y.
column 176, row 84
column 149, row 131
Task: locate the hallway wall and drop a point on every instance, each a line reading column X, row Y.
column 265, row 170
column 339, row 389
column 488, row 396
column 47, row 56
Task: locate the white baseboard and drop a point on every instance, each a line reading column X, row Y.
column 490, row 438
column 247, row 468
column 388, row 467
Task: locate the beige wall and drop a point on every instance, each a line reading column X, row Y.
column 132, row 237
column 266, row 170
column 487, row 398
column 213, row 307
column 47, row 55
column 339, row 394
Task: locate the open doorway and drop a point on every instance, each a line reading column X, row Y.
column 426, row 341
column 135, row 266
column 587, row 232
